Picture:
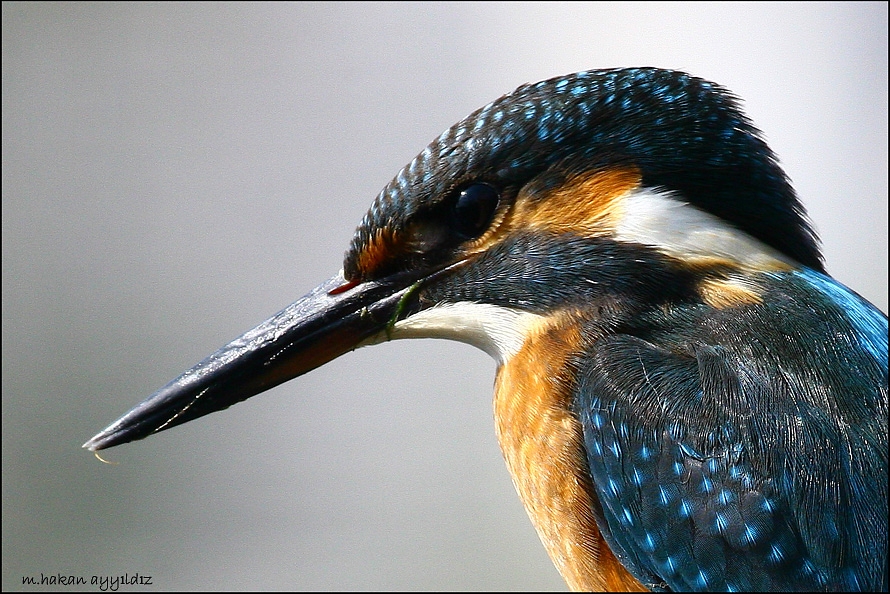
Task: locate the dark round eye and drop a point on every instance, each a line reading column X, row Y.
column 473, row 209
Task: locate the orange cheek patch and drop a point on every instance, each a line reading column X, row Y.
column 382, row 246
column 589, row 203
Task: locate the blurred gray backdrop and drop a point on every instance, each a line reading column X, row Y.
column 174, row 174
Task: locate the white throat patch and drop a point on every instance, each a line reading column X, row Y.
column 499, row 331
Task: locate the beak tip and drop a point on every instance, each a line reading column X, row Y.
column 106, row 438
column 94, row 443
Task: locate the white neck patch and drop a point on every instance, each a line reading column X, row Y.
column 662, row 220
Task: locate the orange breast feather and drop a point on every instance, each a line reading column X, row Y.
column 542, row 443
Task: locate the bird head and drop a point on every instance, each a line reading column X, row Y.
column 601, row 192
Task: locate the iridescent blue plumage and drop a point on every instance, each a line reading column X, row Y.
column 744, row 449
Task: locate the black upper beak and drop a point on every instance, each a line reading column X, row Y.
column 332, row 319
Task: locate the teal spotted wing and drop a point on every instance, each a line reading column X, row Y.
column 744, row 449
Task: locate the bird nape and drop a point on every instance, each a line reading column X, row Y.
column 684, row 398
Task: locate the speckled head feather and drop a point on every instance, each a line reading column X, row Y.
column 682, row 133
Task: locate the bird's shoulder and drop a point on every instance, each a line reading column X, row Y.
column 756, row 431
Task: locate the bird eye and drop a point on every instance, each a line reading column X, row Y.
column 473, row 209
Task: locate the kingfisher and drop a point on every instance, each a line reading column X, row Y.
column 684, row 398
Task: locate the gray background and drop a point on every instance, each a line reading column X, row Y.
column 174, row 174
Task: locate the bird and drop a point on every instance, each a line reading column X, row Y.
column 684, row 398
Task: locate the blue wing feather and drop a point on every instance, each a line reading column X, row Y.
column 744, row 448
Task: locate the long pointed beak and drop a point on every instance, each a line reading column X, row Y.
column 334, row 318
